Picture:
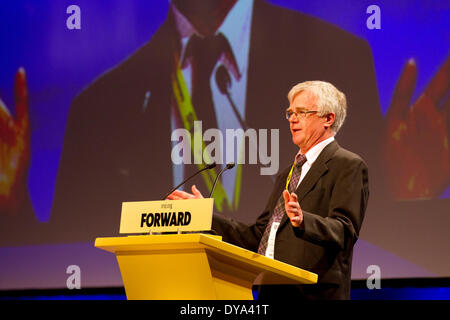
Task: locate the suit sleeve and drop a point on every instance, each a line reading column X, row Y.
column 346, row 210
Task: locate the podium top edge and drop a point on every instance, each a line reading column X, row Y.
column 154, row 239
column 200, row 241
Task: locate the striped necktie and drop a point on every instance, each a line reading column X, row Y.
column 279, row 210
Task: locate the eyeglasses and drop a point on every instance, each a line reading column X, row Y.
column 299, row 114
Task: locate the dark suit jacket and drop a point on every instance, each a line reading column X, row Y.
column 333, row 196
column 118, row 149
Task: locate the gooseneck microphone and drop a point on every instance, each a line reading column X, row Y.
column 223, row 81
column 228, row 166
column 209, row 166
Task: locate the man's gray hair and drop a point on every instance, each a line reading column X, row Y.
column 330, row 100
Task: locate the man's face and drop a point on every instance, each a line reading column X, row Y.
column 307, row 129
column 205, row 15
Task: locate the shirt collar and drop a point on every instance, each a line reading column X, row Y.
column 315, row 151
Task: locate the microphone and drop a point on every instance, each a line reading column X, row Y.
column 209, row 166
column 228, row 166
column 223, row 81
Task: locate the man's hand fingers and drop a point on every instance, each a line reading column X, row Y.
column 403, row 91
column 445, row 109
column 5, row 115
column 292, row 209
column 286, row 196
column 296, row 220
column 440, row 84
column 196, row 192
column 293, row 205
column 174, row 197
column 21, row 97
column 290, row 200
column 181, row 195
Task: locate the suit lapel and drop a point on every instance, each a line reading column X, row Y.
column 318, row 169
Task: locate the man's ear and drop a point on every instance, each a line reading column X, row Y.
column 329, row 120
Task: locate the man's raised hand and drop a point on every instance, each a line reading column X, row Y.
column 415, row 152
column 292, row 208
column 14, row 148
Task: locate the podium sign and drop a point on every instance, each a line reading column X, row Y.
column 166, row 216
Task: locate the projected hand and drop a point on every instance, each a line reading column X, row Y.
column 292, row 208
column 415, row 150
column 14, row 148
column 180, row 195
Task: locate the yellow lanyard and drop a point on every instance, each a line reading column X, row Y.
column 289, row 177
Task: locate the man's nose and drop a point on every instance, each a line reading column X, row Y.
column 293, row 119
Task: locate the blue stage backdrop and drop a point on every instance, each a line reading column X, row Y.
column 88, row 107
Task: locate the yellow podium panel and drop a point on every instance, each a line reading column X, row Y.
column 195, row 267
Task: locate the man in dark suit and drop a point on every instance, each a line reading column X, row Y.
column 313, row 216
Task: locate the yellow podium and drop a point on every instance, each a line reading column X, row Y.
column 194, row 267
